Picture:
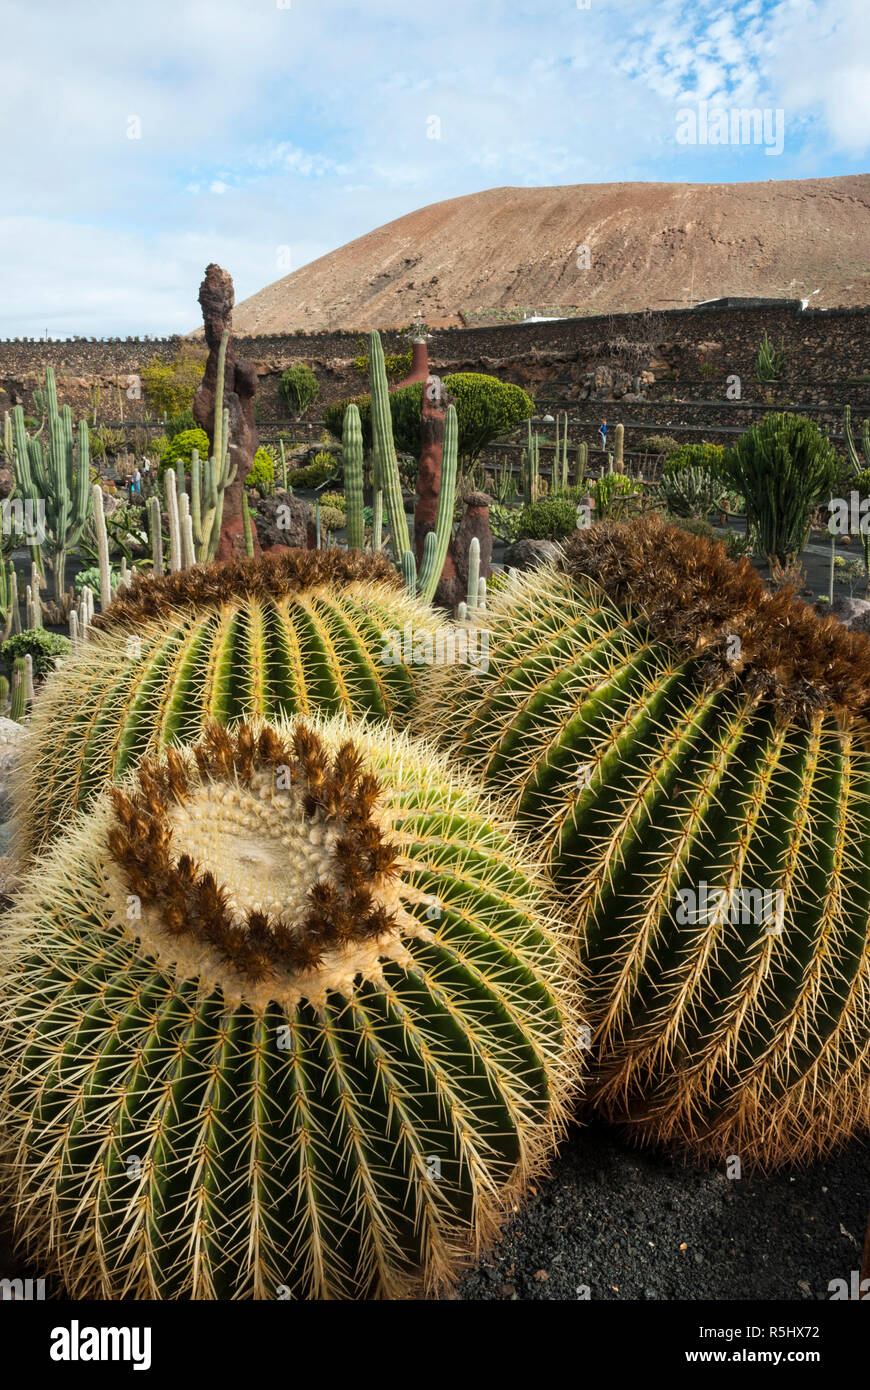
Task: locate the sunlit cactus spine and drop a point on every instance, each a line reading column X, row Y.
column 299, row 632
column 283, row 1017
column 690, row 752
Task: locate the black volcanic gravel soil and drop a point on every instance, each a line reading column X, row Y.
column 613, row 1219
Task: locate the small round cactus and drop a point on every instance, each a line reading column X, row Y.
column 300, row 632
column 690, row 752
column 282, row 1015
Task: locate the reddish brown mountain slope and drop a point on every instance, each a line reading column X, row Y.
column 652, row 245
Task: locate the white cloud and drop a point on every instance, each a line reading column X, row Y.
column 314, row 120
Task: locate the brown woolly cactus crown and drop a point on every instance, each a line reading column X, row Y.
column 697, row 600
column 266, row 577
column 259, row 862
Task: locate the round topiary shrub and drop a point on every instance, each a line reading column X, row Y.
column 181, row 448
column 299, row 632
column 690, row 752
column 282, row 1016
column 487, row 409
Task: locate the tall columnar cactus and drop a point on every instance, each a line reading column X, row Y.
column 18, row 707
column 582, row 461
column 352, row 459
column 859, row 464
column 690, row 751
column 102, row 547
column 531, row 467
column 156, row 529
column 284, row 1018
column 618, row 461
column 437, row 541
column 299, row 632
column 10, row 619
column 385, row 451
column 53, row 477
column 473, row 575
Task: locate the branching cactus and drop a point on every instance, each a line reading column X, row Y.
column 283, row 1016
column 53, row 478
column 690, row 751
column 299, row 632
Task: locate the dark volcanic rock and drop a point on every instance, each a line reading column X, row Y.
column 529, row 554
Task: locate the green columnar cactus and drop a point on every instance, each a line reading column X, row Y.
column 102, row 547
column 246, row 522
column 284, row 1018
column 473, row 594
column 352, row 459
column 437, row 541
column 283, row 465
column 156, row 529
column 582, row 461
column 55, row 478
column 8, row 597
column 409, row 571
column 172, row 520
column 689, row 750
column 296, row 632
column 618, row 462
column 4, row 693
column 859, row 464
column 18, row 707
column 384, row 449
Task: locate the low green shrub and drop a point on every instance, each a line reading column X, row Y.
column 659, row 444
column 43, row 647
column 550, row 519
column 177, row 424
column 262, row 473
column 182, row 447
column 320, row 471
column 506, row 522
column 707, row 456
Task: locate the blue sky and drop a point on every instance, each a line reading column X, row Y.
column 273, row 131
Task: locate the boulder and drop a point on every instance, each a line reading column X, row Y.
column 529, row 554
column 853, row 613
column 282, row 520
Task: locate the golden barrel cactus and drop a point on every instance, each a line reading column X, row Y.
column 298, row 632
column 690, row 751
column 281, row 1016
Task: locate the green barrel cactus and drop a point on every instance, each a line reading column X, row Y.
column 691, row 753
column 299, row 632
column 281, row 1016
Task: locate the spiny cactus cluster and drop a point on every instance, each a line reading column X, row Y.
column 691, row 753
column 283, row 1015
column 302, row 632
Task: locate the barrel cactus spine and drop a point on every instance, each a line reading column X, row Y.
column 690, row 752
column 300, row 632
column 242, row 1061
